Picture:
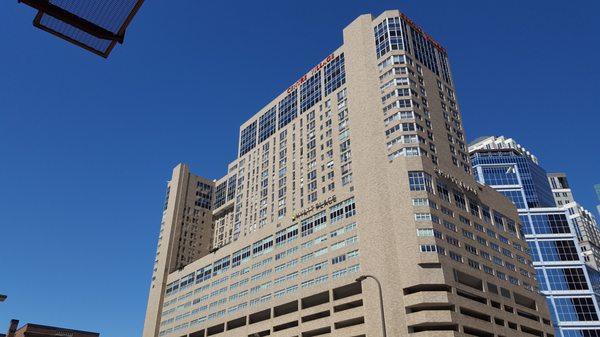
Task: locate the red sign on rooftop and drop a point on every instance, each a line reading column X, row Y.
column 427, row 36
column 313, row 71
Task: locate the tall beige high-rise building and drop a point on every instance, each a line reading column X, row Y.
column 359, row 168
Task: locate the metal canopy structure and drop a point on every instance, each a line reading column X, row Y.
column 95, row 25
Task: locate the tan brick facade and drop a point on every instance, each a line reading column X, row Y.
column 370, row 176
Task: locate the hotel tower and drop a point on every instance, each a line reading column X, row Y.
column 357, row 175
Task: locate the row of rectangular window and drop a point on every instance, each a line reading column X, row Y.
column 344, row 209
column 309, row 93
column 260, row 264
column 261, row 299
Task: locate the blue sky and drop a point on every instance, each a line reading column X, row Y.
column 87, row 144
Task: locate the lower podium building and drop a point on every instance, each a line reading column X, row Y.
column 356, row 176
column 37, row 330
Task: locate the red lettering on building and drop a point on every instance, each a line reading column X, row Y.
column 313, row 71
column 427, row 36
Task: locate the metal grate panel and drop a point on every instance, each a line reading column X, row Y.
column 96, row 25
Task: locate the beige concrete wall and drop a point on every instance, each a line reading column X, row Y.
column 185, row 236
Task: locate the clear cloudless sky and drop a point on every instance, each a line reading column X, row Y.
column 87, row 144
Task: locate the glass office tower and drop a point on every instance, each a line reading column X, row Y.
column 557, row 256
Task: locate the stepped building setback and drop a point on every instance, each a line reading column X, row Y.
column 359, row 168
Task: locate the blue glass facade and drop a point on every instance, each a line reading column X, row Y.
column 595, row 279
column 507, row 170
column 516, row 197
column 560, row 270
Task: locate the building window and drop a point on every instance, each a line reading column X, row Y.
column 267, row 124
column 220, row 194
column 335, row 74
column 313, row 224
column 426, row 51
column 500, row 175
column 516, row 197
column 423, row 217
column 566, row 279
column 342, row 210
column 420, row 202
column 221, row 266
column 580, row 332
column 428, row 248
column 240, row 257
column 310, row 92
column 286, row 235
column 459, row 199
column 248, row 139
column 388, row 36
column 575, row 309
column 560, row 250
column 407, row 152
column 288, row 109
column 262, row 247
column 455, row 257
column 471, row 249
column 419, row 181
column 425, row 232
column 443, row 191
column 550, row 224
column 450, row 226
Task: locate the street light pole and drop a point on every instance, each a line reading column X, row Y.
column 364, row 277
